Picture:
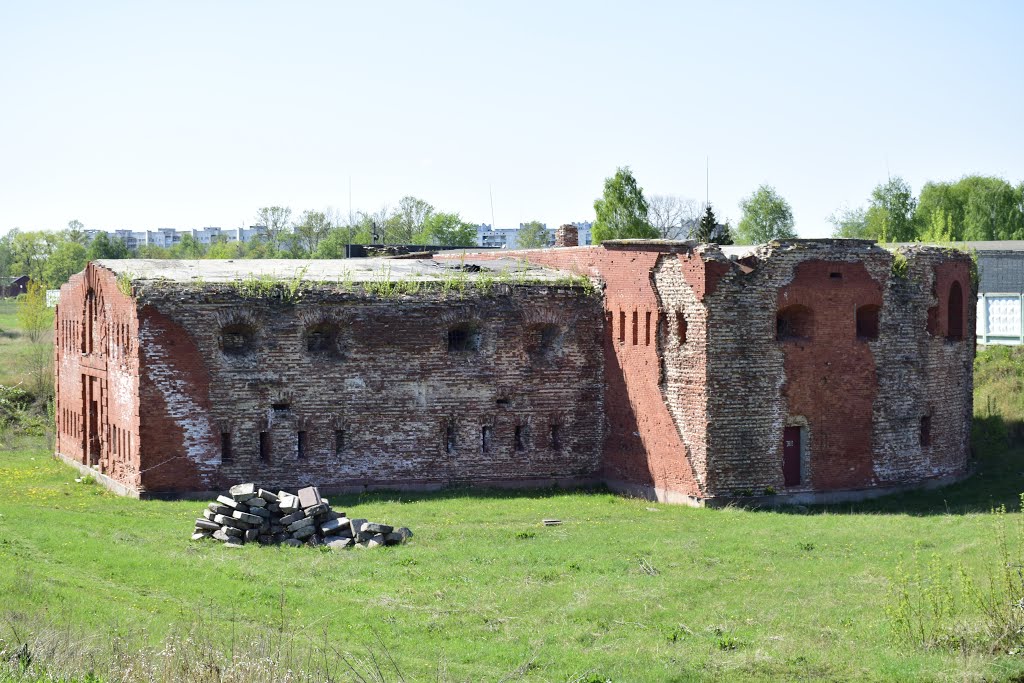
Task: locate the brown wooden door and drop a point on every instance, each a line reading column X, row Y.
column 791, row 456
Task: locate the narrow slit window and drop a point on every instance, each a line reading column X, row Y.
column 520, row 444
column 926, row 431
column 622, row 326
column 485, row 439
column 556, row 437
column 225, row 446
column 339, row 441
column 449, row 437
column 681, row 327
column 300, row 445
column 265, row 446
column 636, row 327
column 647, row 328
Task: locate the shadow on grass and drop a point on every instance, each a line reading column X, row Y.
column 997, row 479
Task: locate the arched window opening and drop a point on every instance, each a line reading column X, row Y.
column 237, row 339
column 322, row 339
column 794, row 323
column 543, row 341
column 867, row 322
column 464, row 338
column 955, row 312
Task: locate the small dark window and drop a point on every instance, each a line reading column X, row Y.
column 265, row 446
column 555, row 438
column 867, row 322
column 237, row 339
column 794, row 323
column 955, row 312
column 636, row 327
column 322, row 339
column 485, row 439
column 543, row 341
column 463, row 338
column 281, row 408
column 449, row 437
column 300, row 445
column 225, row 446
column 835, row 276
column 339, row 441
column 681, row 327
column 520, row 444
column 926, row 431
column 622, row 326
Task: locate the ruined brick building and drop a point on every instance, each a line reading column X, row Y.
column 800, row 370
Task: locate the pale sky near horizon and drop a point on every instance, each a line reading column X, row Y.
column 187, row 114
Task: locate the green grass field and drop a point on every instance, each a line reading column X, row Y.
column 19, row 358
column 623, row 590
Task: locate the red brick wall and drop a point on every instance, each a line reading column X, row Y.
column 643, row 445
column 830, row 377
column 96, row 364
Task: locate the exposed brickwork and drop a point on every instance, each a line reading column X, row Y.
column 678, row 380
column 733, row 386
column 567, row 236
column 376, row 410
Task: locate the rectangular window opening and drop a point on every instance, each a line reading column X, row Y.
column 622, row 326
column 485, row 438
column 300, row 445
column 926, row 431
column 225, row 446
column 265, row 446
column 647, row 328
column 636, row 327
column 339, row 441
column 520, row 445
column 555, row 438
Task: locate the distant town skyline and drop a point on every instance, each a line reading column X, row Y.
column 127, row 115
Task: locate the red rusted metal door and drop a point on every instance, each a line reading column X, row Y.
column 791, row 456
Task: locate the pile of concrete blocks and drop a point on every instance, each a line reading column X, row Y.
column 250, row 514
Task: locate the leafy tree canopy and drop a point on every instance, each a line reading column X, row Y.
column 449, row 230
column 622, row 210
column 532, row 235
column 766, row 217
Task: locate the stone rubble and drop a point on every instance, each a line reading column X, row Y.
column 249, row 514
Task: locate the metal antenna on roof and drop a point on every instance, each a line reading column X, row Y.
column 707, row 181
column 491, row 193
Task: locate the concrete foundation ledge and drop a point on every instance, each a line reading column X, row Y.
column 649, row 492
column 102, row 479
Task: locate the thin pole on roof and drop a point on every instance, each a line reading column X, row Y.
column 490, row 191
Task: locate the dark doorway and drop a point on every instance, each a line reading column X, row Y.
column 791, row 455
column 956, row 312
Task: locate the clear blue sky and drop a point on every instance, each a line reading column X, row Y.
column 185, row 114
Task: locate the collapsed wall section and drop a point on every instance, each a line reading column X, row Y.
column 96, row 377
column 350, row 391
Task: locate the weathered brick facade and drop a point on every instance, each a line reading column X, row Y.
column 705, row 371
column 684, row 385
column 459, row 382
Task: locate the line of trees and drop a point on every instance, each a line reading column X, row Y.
column 973, row 208
column 53, row 257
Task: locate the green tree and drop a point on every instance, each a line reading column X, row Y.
column 33, row 315
column 311, row 227
column 977, row 207
column 67, row 259
column 188, row 248
column 105, row 247
column 532, row 235
column 709, row 231
column 272, row 222
column 407, row 221
column 222, row 249
column 448, row 229
column 766, row 217
column 849, row 223
column 622, row 210
column 891, row 214
column 76, row 232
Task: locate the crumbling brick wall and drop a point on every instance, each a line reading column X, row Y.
column 388, row 404
column 96, row 369
column 889, row 407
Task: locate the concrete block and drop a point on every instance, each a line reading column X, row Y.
column 207, row 524
column 309, row 496
column 243, row 492
column 247, row 518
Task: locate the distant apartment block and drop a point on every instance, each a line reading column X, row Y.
column 508, row 238
column 168, row 237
